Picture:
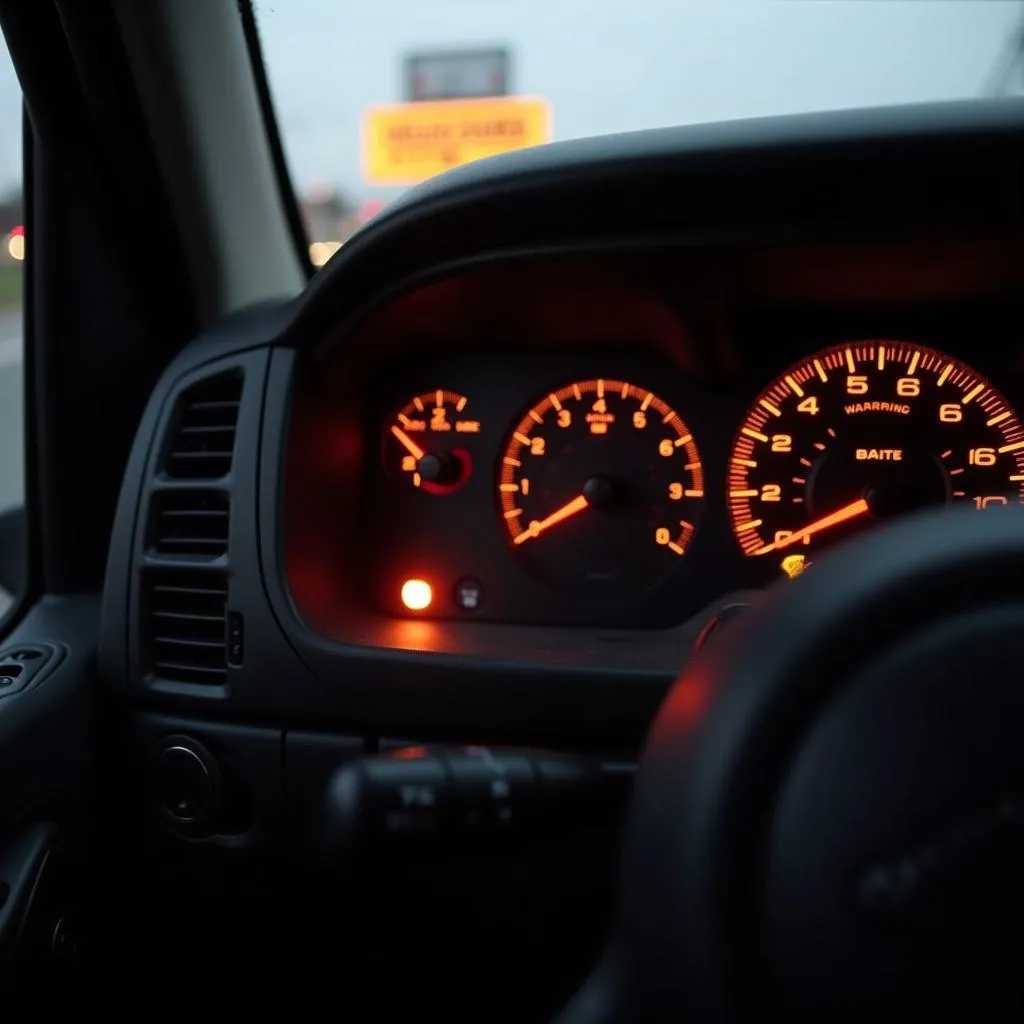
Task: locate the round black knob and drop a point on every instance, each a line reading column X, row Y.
column 184, row 784
column 599, row 492
column 439, row 468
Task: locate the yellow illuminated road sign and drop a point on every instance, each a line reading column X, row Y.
column 411, row 142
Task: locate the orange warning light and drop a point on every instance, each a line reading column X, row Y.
column 417, row 595
column 794, row 565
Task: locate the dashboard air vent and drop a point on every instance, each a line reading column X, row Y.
column 187, row 624
column 203, row 439
column 190, row 523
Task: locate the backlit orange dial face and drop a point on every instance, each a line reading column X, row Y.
column 600, row 487
column 428, row 442
column 859, row 433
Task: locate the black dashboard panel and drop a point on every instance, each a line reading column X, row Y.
column 696, row 263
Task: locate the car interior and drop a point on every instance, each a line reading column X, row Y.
column 358, row 653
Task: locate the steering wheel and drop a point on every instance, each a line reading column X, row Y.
column 828, row 820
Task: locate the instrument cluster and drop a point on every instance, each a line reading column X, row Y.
column 614, row 489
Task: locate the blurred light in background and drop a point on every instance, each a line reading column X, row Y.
column 370, row 208
column 330, row 219
column 321, row 252
column 16, row 243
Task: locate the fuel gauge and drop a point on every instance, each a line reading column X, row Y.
column 427, row 445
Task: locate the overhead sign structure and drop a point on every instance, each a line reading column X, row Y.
column 457, row 74
column 410, row 142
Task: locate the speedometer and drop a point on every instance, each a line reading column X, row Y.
column 862, row 432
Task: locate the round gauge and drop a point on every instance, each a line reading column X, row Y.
column 862, row 432
column 426, row 445
column 600, row 488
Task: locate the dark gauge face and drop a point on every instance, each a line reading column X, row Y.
column 429, row 440
column 600, row 488
column 859, row 433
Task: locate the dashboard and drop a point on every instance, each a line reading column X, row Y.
column 550, row 419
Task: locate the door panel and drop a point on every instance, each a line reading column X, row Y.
column 45, row 760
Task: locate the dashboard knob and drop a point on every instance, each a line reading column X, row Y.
column 439, row 467
column 186, row 787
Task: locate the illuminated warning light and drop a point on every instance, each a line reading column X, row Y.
column 794, row 565
column 417, row 595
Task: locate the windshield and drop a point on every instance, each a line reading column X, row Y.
column 371, row 98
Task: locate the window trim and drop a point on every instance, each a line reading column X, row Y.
column 192, row 69
column 289, row 200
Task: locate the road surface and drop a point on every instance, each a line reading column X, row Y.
column 12, row 412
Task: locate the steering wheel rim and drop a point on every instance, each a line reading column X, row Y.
column 690, row 936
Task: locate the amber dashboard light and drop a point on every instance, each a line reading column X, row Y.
column 795, row 565
column 417, row 595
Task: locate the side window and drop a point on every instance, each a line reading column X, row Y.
column 12, row 406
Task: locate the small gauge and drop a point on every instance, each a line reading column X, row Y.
column 427, row 445
column 600, row 488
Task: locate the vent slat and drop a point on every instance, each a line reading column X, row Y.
column 179, row 642
column 210, row 592
column 209, row 454
column 203, row 438
column 178, row 666
column 208, row 406
column 205, row 429
column 188, row 544
column 178, row 673
column 196, row 541
column 190, row 524
column 191, row 512
column 187, row 616
column 187, row 622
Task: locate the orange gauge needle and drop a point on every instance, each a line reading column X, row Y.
column 408, row 443
column 537, row 527
column 851, row 511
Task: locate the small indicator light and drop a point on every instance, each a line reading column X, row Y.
column 794, row 565
column 469, row 595
column 417, row 595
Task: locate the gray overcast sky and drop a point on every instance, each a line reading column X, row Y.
column 613, row 65
column 605, row 65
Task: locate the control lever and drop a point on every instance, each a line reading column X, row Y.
column 465, row 794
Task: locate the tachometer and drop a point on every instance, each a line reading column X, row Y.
column 600, row 488
column 861, row 432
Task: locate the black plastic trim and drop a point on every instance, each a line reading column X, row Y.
column 278, row 157
column 898, row 166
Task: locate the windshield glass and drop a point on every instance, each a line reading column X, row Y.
column 371, row 98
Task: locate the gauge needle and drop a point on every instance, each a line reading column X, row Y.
column 851, row 511
column 537, row 527
column 408, row 443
